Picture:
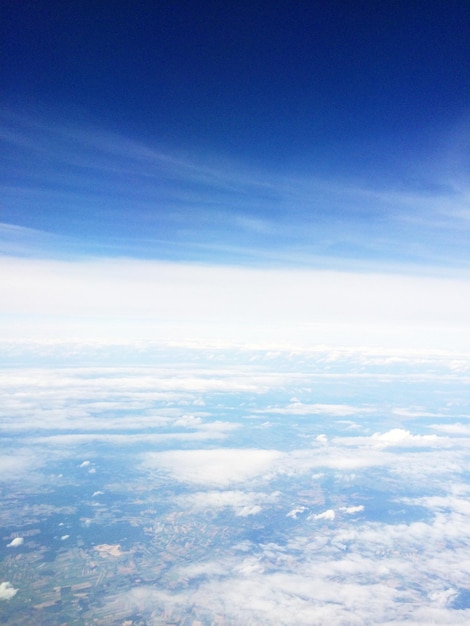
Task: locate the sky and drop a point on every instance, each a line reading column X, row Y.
column 236, row 169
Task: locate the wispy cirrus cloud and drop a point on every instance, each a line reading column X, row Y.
column 85, row 182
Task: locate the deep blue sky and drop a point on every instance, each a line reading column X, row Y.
column 238, row 131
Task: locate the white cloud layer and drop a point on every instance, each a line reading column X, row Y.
column 123, row 297
column 328, row 515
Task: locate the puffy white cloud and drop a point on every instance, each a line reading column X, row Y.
column 328, row 515
column 243, row 503
column 7, row 591
column 350, row 510
column 16, row 542
column 296, row 511
column 401, row 437
column 220, row 467
column 443, row 597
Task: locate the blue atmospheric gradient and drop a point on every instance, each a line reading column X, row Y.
column 328, row 134
column 167, row 484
